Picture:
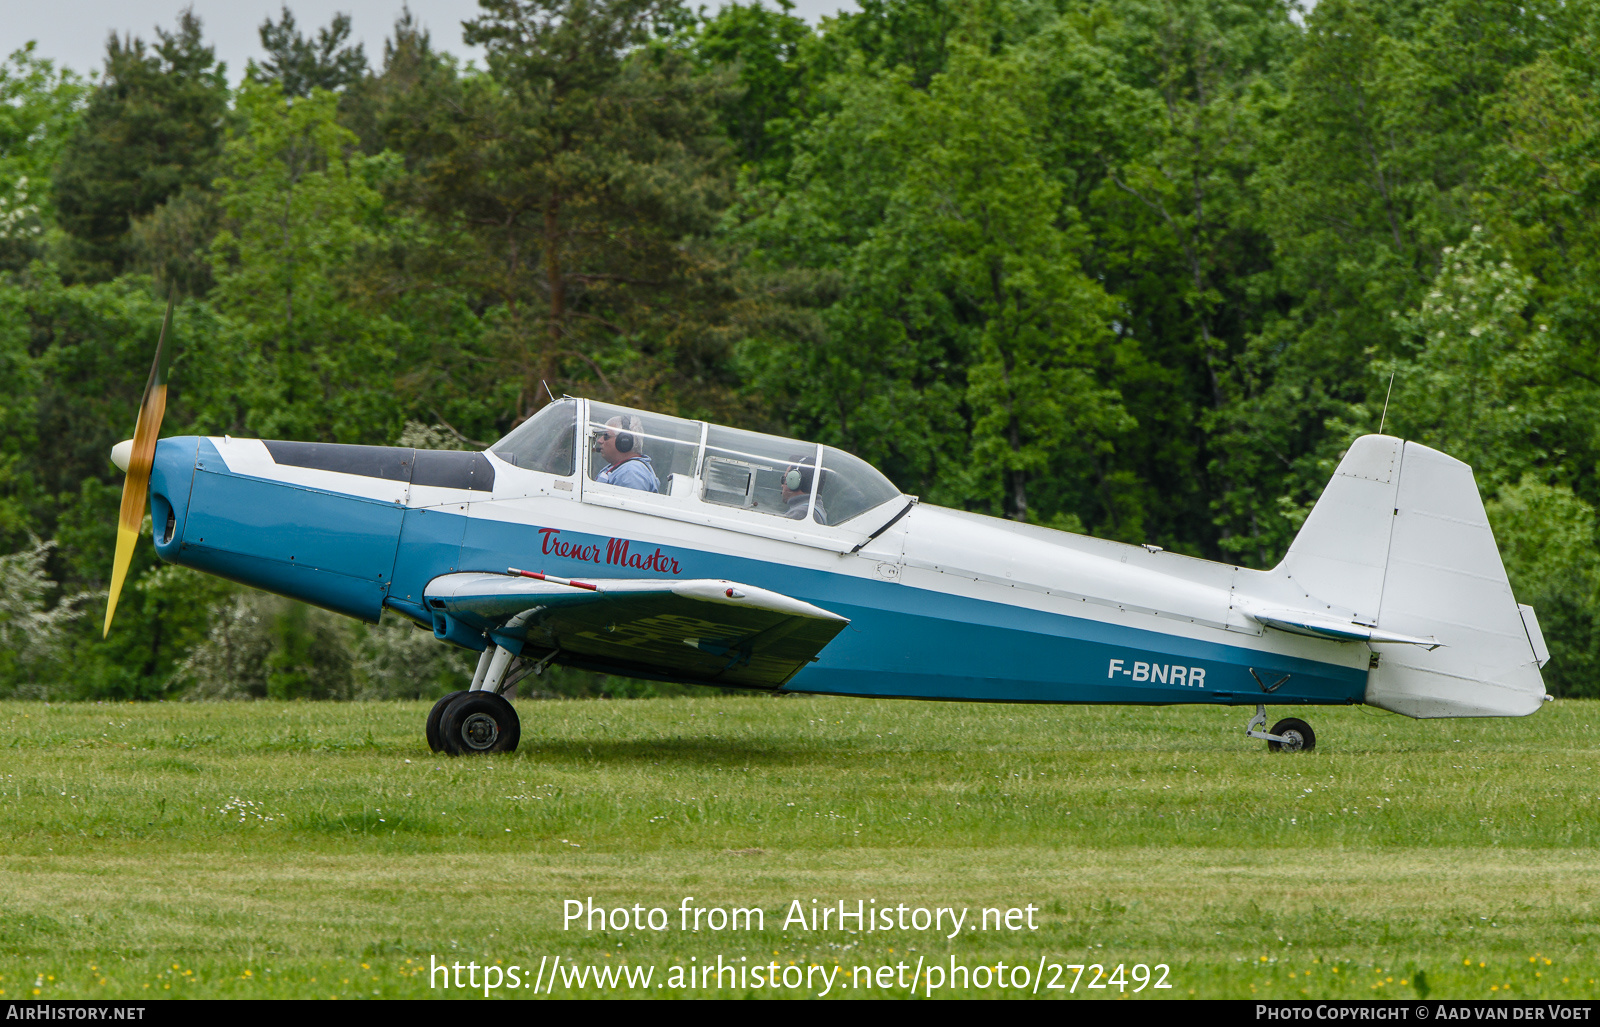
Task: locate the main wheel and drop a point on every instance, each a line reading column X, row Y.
column 434, row 716
column 479, row 722
column 1297, row 736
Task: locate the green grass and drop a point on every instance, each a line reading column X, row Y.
column 311, row 850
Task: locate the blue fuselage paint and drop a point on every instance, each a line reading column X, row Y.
column 325, row 548
column 354, row 555
column 914, row 643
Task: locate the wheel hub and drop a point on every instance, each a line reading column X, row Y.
column 479, row 731
column 1292, row 742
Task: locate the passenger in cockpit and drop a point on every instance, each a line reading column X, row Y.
column 621, row 445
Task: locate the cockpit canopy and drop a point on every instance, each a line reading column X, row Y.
column 721, row 466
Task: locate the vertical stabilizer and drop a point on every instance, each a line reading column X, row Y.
column 1342, row 550
column 1400, row 541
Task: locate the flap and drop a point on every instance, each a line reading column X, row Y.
column 703, row 630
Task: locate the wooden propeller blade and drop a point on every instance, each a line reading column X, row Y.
column 136, row 487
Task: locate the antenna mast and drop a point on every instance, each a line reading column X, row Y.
column 1386, row 396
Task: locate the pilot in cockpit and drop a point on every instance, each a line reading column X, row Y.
column 621, row 445
column 797, row 478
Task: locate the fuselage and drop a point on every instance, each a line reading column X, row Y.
column 942, row 604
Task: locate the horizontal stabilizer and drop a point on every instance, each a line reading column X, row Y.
column 1301, row 623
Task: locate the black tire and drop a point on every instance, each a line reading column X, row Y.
column 479, row 722
column 1301, row 737
column 434, row 715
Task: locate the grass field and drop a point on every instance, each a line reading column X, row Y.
column 318, row 850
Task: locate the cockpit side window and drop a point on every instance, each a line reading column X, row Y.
column 760, row 472
column 545, row 441
column 662, row 448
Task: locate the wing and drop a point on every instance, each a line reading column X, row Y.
column 703, row 630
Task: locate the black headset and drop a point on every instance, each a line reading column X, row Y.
column 624, row 439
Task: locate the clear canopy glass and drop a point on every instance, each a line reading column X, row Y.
column 765, row 473
column 544, row 442
column 666, row 445
column 850, row 486
column 726, row 467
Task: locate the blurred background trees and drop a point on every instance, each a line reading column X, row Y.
column 1141, row 268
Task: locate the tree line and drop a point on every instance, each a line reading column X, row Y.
column 1137, row 268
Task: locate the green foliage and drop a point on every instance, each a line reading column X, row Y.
column 963, row 348
column 1547, row 540
column 73, row 360
column 21, row 378
column 398, row 659
column 301, row 204
column 886, row 35
column 1374, row 164
column 577, row 183
column 299, row 66
column 1136, row 267
column 39, row 106
column 765, row 46
column 383, row 108
column 264, row 647
column 162, row 615
column 154, row 125
column 1472, row 388
column 1540, row 200
column 1006, row 257
column 172, row 244
column 1180, row 241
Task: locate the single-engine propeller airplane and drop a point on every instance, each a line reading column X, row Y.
column 646, row 545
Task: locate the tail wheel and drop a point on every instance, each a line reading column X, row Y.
column 434, row 716
column 476, row 722
column 1296, row 734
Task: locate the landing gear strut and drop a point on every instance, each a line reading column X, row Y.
column 1287, row 735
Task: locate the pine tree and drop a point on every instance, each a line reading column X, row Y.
column 578, row 177
column 300, row 65
column 155, row 124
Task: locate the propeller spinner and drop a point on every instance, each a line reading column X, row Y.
column 136, row 457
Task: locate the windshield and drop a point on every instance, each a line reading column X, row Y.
column 850, row 486
column 544, row 442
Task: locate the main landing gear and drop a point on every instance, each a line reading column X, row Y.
column 1287, row 735
column 470, row 722
column 482, row 719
